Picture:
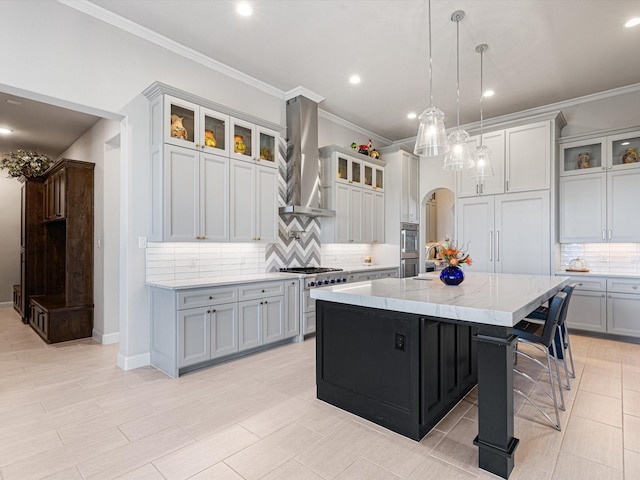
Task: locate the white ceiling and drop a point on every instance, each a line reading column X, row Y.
column 540, row 52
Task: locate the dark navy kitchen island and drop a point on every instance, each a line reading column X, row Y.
column 403, row 352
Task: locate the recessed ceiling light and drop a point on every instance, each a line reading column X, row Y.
column 412, row 115
column 633, row 22
column 5, row 131
column 625, row 143
column 244, row 9
column 489, row 93
column 355, row 79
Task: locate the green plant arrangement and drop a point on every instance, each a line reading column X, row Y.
column 25, row 163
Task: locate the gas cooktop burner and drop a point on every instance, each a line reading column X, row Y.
column 309, row 270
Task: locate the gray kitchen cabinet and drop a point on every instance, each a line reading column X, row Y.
column 194, row 336
column 193, row 327
column 599, row 189
column 194, row 192
column 605, row 305
column 292, row 305
column 353, row 186
column 469, row 186
column 206, row 333
column 498, row 228
column 195, row 196
column 254, row 203
column 261, row 321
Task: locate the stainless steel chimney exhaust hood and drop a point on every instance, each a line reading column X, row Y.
column 303, row 162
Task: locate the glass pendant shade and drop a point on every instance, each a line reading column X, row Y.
column 483, row 168
column 432, row 138
column 459, row 155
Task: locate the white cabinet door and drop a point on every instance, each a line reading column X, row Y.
column 587, row 311
column 273, row 315
column 342, row 218
column 266, row 204
column 224, row 330
column 378, row 217
column 522, row 233
column 214, row 198
column 623, row 201
column 355, row 214
column 528, row 157
column 583, row 215
column 194, row 338
column 409, row 192
column 181, row 194
column 623, row 314
column 249, row 324
column 243, row 200
column 367, row 215
column 476, row 219
column 292, row 312
column 495, row 142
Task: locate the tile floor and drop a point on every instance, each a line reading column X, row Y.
column 67, row 412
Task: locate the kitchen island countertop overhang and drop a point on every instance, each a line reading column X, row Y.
column 486, row 298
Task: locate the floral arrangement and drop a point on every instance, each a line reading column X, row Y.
column 24, row 163
column 452, row 256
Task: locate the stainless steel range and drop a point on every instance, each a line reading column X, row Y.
column 313, row 277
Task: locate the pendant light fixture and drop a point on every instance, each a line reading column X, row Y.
column 432, row 138
column 482, row 156
column 459, row 156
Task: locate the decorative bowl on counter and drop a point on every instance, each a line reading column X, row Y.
column 577, row 265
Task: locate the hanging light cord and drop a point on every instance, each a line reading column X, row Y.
column 458, row 70
column 430, row 62
column 481, row 92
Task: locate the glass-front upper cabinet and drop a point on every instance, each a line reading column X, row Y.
column 349, row 170
column 253, row 143
column 581, row 157
column 191, row 126
column 613, row 152
column 624, row 150
column 215, row 132
column 373, row 177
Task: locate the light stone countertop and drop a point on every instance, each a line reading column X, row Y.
column 249, row 278
column 222, row 280
column 599, row 274
column 488, row 298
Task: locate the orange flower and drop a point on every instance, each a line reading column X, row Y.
column 453, row 261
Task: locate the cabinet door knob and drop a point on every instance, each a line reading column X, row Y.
column 261, row 303
column 210, row 298
column 265, row 302
column 214, row 310
column 635, row 287
column 262, row 291
column 208, row 311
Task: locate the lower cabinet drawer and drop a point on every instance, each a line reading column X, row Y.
column 203, row 297
column 623, row 285
column 254, row 291
column 590, row 283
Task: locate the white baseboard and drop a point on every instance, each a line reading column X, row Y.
column 105, row 339
column 134, row 361
column 6, row 304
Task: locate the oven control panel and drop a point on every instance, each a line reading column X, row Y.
column 326, row 279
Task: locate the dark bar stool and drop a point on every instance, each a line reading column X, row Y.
column 541, row 336
column 562, row 340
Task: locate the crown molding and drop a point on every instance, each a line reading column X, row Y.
column 352, row 126
column 133, row 28
column 305, row 92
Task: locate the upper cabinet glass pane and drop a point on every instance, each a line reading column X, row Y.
column 342, row 168
column 182, row 121
column 267, row 147
column 368, row 175
column 242, row 140
column 379, row 178
column 584, row 157
column 214, row 134
column 355, row 172
column 625, row 151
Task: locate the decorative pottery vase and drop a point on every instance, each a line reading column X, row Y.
column 451, row 275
